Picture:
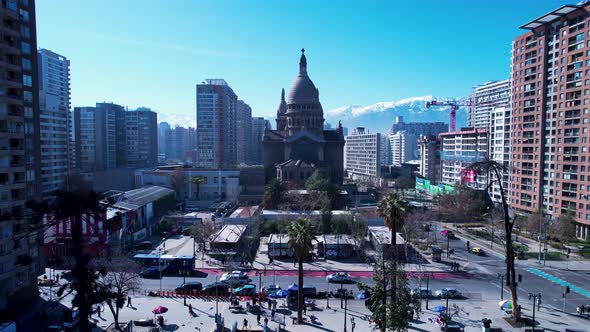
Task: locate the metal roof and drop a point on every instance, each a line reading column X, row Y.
column 136, row 198
column 229, row 234
column 551, row 17
column 383, row 235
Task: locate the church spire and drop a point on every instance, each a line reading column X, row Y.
column 303, row 63
column 283, row 95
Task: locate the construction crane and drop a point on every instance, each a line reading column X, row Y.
column 455, row 104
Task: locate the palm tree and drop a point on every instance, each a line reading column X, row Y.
column 300, row 237
column 495, row 171
column 198, row 180
column 393, row 209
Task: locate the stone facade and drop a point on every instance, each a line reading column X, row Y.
column 300, row 145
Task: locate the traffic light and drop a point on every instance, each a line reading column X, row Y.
column 567, row 289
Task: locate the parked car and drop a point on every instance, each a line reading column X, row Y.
column 421, row 292
column 450, row 293
column 151, row 273
column 477, row 251
column 215, row 289
column 268, row 289
column 340, row 278
column 189, row 287
column 235, row 279
column 246, row 290
column 145, row 245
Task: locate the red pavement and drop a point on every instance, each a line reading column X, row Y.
column 354, row 274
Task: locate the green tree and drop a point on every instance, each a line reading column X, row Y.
column 325, row 220
column 300, row 240
column 198, row 180
column 389, row 299
column 319, row 182
column 274, row 194
column 201, row 233
column 495, row 171
column 565, row 228
column 393, row 209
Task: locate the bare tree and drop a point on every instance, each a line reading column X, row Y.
column 119, row 279
column 202, row 234
column 495, row 171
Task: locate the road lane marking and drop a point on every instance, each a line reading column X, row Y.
column 559, row 281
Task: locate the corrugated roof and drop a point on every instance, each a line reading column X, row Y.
column 139, row 197
column 229, row 234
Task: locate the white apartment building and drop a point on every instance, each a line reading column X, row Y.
column 362, row 154
column 385, row 150
column 500, row 149
column 54, row 110
column 459, row 150
column 403, row 145
column 485, row 98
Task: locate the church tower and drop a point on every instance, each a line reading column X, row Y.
column 281, row 117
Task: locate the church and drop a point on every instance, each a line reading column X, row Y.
column 299, row 146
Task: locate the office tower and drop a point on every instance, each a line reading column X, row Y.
column 385, row 150
column 244, row 131
column 418, row 128
column 403, row 147
column 485, row 98
column 54, row 110
column 180, row 139
column 460, row 150
column 550, row 118
column 163, row 129
column 141, row 132
column 259, row 125
column 362, row 154
column 20, row 154
column 430, row 167
column 100, row 137
column 216, row 124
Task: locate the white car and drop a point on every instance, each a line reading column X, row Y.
column 235, row 279
column 340, row 278
column 421, row 292
column 450, row 293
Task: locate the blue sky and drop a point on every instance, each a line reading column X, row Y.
column 152, row 53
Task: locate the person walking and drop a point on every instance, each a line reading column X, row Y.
column 98, row 310
column 190, row 309
column 245, row 324
column 265, row 321
column 258, row 318
column 352, row 323
column 129, row 302
column 272, row 314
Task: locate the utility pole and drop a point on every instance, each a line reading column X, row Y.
column 535, row 298
column 540, row 222
column 501, row 276
column 345, row 309
column 567, row 291
column 427, row 289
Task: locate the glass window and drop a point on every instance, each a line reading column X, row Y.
column 26, row 64
column 27, row 80
column 26, row 48
column 24, row 15
column 25, row 31
column 28, row 96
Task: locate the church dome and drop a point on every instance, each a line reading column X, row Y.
column 303, row 91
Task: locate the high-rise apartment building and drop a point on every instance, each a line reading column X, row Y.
column 485, row 98
column 163, row 129
column 20, row 154
column 362, row 154
column 550, row 119
column 430, row 165
column 54, row 110
column 403, row 147
column 500, row 149
column 216, row 124
column 100, row 137
column 459, row 150
column 244, row 131
column 141, row 130
column 385, row 150
column 418, row 128
column 259, row 126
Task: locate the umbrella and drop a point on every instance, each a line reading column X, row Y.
column 439, row 308
column 280, row 293
column 293, row 288
column 444, row 232
column 506, row 304
column 160, row 310
column 361, row 296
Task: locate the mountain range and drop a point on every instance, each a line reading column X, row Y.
column 377, row 117
column 380, row 116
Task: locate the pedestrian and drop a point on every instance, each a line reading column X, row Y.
column 57, row 278
column 98, row 310
column 129, row 302
column 258, row 318
column 265, row 321
column 272, row 314
column 539, row 304
column 190, row 309
column 245, row 324
column 269, row 303
column 352, row 323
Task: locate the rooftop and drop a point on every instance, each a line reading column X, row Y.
column 136, row 198
column 336, row 239
column 278, row 238
column 229, row 234
column 245, row 212
column 551, row 16
column 383, row 235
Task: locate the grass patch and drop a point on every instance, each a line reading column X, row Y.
column 520, row 247
column 550, row 255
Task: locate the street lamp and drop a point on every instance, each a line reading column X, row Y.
column 160, row 267
column 346, row 294
column 184, row 272
column 501, row 276
column 536, row 301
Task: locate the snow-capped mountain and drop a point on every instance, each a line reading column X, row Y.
column 181, row 120
column 380, row 116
